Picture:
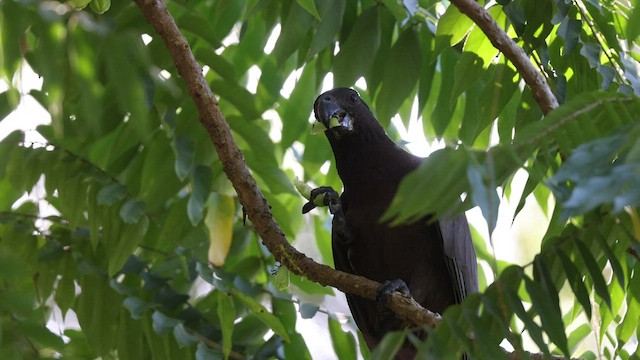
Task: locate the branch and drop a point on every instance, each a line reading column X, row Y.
column 245, row 185
column 501, row 41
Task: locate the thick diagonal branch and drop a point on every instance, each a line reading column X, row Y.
column 501, row 41
column 245, row 185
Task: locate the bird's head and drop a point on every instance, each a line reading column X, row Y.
column 339, row 111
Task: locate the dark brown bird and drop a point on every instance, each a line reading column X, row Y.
column 436, row 260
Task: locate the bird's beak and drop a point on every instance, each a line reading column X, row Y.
column 331, row 115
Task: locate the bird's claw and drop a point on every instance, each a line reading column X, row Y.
column 323, row 196
column 386, row 289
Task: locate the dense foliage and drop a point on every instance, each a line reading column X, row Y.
column 132, row 226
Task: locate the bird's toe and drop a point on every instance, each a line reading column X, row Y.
column 386, row 289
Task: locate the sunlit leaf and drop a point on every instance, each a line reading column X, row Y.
column 219, row 221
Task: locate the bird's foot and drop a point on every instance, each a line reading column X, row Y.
column 386, row 289
column 323, row 196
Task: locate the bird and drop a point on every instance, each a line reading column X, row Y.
column 432, row 260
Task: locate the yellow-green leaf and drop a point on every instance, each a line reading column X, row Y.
column 219, row 221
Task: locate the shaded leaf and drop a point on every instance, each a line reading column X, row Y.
column 389, row 346
column 310, row 6
column 599, row 283
column 399, row 78
column 357, row 52
column 266, row 317
column 343, row 342
column 227, row 315
column 574, row 277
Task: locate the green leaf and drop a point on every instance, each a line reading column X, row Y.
column 453, row 26
column 237, row 96
column 497, row 93
column 389, row 346
column 574, row 277
column 111, row 194
column 294, row 29
column 469, row 68
column 130, row 237
column 295, row 112
column 633, row 25
column 599, row 283
column 185, row 156
column 308, row 310
column 183, row 337
column 199, row 25
column 205, row 353
column 331, row 15
column 343, row 342
column 39, row 334
column 592, row 52
column 137, row 306
column 613, row 259
column 397, row 8
column 132, row 211
column 227, row 315
column 399, row 78
column 602, row 111
column 310, row 287
column 8, row 102
column 225, row 15
column 362, row 345
column 478, row 43
column 410, row 202
column 569, row 31
column 97, row 315
column 296, row 348
column 484, row 194
column 162, row 323
column 629, row 324
column 132, row 347
column 66, row 290
column 201, row 180
column 310, row 6
column 578, row 335
column 358, row 51
column 443, row 111
column 261, row 312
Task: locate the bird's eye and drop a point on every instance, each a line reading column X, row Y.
column 354, row 98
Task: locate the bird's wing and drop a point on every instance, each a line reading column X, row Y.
column 460, row 255
column 341, row 239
